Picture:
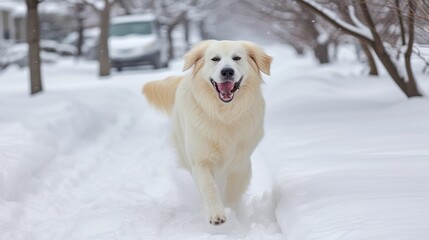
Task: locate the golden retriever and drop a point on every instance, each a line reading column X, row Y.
column 217, row 111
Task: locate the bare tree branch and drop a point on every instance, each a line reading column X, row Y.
column 405, row 81
column 412, row 86
column 336, row 21
column 401, row 21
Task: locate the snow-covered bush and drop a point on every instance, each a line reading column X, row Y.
column 17, row 54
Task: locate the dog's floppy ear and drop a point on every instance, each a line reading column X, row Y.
column 195, row 54
column 258, row 55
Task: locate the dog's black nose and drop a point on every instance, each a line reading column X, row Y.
column 227, row 72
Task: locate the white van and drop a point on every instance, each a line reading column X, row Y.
column 136, row 40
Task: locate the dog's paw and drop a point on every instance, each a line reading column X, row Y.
column 217, row 220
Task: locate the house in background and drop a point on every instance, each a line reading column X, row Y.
column 56, row 19
column 12, row 22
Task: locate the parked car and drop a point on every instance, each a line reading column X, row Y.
column 137, row 40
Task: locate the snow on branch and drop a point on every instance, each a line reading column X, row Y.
column 357, row 22
column 360, row 30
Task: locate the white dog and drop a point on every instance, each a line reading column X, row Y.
column 218, row 113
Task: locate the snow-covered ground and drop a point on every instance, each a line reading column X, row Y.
column 344, row 157
column 350, row 155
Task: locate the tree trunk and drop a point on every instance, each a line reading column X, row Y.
column 373, row 71
column 384, row 57
column 334, row 55
column 387, row 62
column 202, row 28
column 376, row 44
column 400, row 20
column 33, row 40
column 187, row 31
column 298, row 50
column 412, row 90
column 321, row 51
column 103, row 46
column 407, row 88
column 170, row 43
column 170, row 27
column 80, row 39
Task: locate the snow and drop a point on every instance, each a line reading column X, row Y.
column 357, row 22
column 96, row 4
column 344, row 156
column 17, row 54
column 17, row 9
column 89, row 159
column 355, row 154
column 133, row 18
column 323, row 37
column 7, row 5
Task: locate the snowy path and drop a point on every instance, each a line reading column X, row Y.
column 111, row 174
column 344, row 157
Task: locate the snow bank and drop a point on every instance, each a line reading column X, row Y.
column 41, row 128
column 354, row 196
column 349, row 154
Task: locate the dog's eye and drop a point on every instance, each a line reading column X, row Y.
column 236, row 58
column 216, row 59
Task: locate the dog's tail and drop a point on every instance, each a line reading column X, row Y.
column 161, row 93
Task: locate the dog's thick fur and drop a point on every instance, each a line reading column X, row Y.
column 215, row 139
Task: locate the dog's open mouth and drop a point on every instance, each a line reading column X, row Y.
column 226, row 89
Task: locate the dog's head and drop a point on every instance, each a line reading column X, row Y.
column 227, row 65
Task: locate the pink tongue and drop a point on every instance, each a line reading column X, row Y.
column 226, row 86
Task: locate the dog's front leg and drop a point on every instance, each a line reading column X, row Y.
column 209, row 190
column 236, row 183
